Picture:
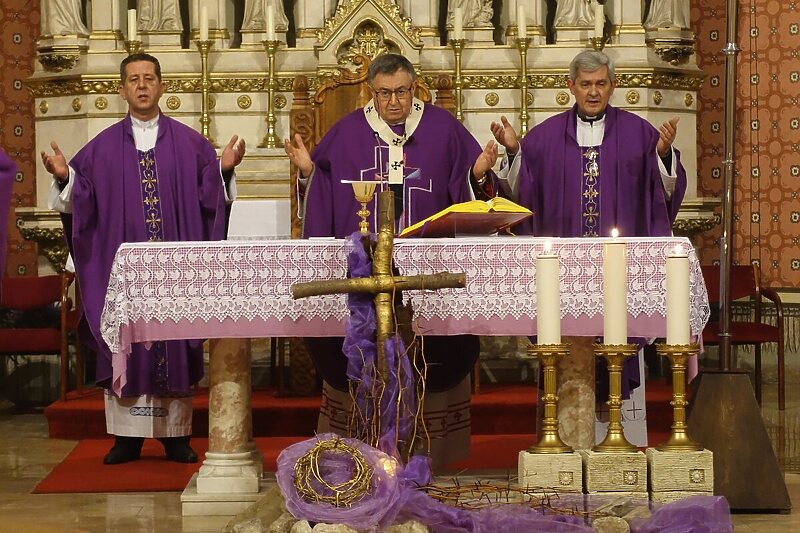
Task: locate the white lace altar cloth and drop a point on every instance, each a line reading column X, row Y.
column 165, row 291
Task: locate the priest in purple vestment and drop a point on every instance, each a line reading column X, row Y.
column 593, row 168
column 8, row 171
column 145, row 178
column 422, row 153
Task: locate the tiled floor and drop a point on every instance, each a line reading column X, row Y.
column 27, row 455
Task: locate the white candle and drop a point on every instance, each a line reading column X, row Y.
column 132, row 25
column 548, row 298
column 114, row 15
column 270, row 21
column 458, row 23
column 522, row 25
column 204, row 23
column 678, row 297
column 615, row 292
column 599, row 19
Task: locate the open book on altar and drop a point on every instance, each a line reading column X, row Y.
column 477, row 217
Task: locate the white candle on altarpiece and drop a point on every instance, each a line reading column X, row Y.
column 599, row 19
column 678, row 297
column 548, row 298
column 114, row 15
column 203, row 23
column 615, row 291
column 270, row 21
column 458, row 23
column 522, row 24
column 132, row 25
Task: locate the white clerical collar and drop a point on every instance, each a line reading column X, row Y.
column 145, row 124
column 590, row 133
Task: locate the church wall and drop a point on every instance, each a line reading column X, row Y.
column 767, row 207
column 19, row 28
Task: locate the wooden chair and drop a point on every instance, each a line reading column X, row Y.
column 27, row 293
column 745, row 282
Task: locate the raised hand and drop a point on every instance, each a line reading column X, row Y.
column 485, row 161
column 56, row 164
column 298, row 155
column 504, row 134
column 233, row 153
column 667, row 133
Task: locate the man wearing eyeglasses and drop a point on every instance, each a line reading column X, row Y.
column 430, row 161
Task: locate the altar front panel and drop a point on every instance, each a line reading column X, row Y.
column 163, row 291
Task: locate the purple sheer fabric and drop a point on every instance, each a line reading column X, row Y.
column 362, row 366
column 698, row 514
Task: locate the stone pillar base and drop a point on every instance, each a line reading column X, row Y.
column 683, row 471
column 252, row 39
column 574, row 34
column 614, row 472
column 165, row 40
column 479, row 35
column 197, row 503
column 560, row 471
column 228, row 473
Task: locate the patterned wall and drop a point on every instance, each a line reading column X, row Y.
column 19, row 28
column 767, row 207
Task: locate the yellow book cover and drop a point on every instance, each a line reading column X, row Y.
column 477, row 217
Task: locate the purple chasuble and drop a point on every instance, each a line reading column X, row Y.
column 627, row 192
column 438, row 156
column 631, row 194
column 172, row 193
column 8, row 171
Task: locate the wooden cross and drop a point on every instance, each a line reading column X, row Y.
column 383, row 284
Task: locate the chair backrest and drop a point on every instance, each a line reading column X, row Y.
column 743, row 281
column 25, row 293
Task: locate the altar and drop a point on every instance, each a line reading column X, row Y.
column 241, row 289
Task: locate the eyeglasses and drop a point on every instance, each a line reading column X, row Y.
column 386, row 94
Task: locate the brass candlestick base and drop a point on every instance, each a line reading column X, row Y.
column 133, row 47
column 271, row 139
column 549, row 440
column 522, row 46
column 458, row 46
column 679, row 439
column 204, row 47
column 598, row 43
column 615, row 355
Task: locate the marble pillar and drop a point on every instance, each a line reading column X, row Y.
column 105, row 26
column 229, row 466
column 576, row 401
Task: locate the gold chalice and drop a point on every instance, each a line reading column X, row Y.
column 363, row 191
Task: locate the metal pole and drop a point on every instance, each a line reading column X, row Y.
column 726, row 242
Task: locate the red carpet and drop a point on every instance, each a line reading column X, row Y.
column 502, row 422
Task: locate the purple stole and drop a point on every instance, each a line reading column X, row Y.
column 590, row 191
column 154, row 223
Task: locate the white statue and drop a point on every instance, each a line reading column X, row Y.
column 574, row 13
column 477, row 13
column 254, row 15
column 159, row 15
column 62, row 17
column 666, row 13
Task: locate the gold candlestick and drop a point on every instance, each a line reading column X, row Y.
column 204, row 46
column 615, row 355
column 679, row 439
column 133, row 47
column 549, row 440
column 271, row 139
column 522, row 46
column 458, row 46
column 598, row 43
